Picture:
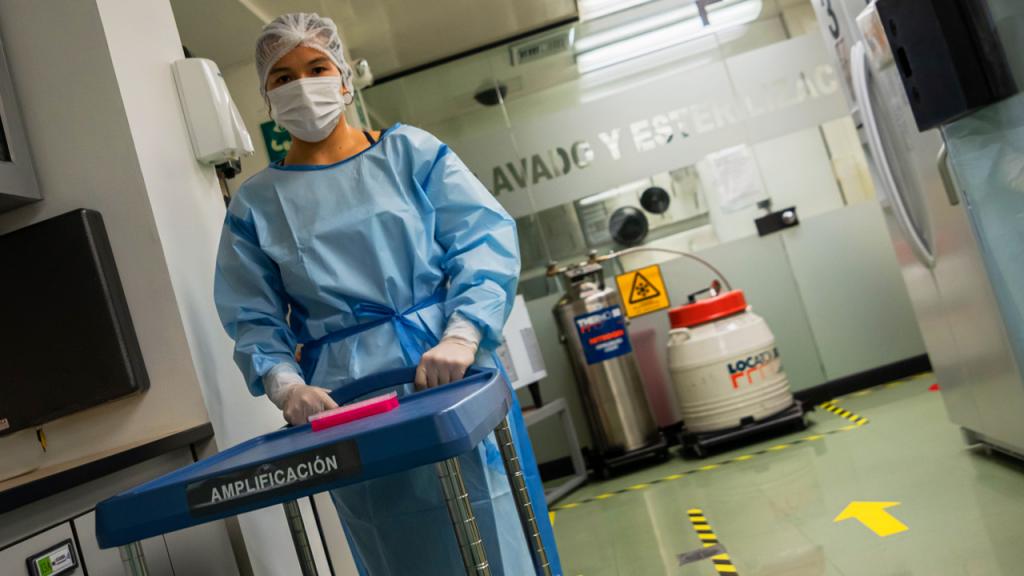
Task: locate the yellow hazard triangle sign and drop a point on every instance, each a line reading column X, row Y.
column 643, row 291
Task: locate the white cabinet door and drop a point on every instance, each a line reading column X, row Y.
column 204, row 549
column 12, row 558
column 108, row 562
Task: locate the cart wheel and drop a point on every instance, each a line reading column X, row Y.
column 801, row 424
column 664, row 454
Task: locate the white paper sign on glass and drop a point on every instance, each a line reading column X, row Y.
column 737, row 178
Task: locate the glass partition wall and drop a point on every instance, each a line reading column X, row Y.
column 663, row 123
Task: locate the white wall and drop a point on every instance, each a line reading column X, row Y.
column 107, row 133
column 797, row 172
column 848, row 161
column 85, row 158
column 852, row 288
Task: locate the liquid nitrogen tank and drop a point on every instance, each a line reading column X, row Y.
column 726, row 370
column 593, row 327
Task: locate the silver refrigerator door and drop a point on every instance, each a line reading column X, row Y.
column 902, row 162
column 904, row 165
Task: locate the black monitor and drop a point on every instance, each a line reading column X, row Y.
column 67, row 341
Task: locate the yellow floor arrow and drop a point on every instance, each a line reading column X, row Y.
column 874, row 516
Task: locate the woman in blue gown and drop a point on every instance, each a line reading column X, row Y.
column 373, row 251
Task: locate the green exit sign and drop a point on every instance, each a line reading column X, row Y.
column 277, row 139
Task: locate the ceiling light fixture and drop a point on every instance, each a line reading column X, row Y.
column 611, row 47
column 617, row 191
column 594, row 9
column 635, row 28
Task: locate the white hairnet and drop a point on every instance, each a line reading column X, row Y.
column 288, row 31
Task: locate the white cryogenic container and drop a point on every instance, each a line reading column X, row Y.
column 726, row 370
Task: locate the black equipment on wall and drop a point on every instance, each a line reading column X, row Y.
column 628, row 226
column 655, row 200
column 776, row 221
column 68, row 341
column 949, row 56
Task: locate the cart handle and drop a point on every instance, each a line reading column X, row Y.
column 397, row 377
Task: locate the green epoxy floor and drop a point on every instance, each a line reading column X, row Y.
column 774, row 513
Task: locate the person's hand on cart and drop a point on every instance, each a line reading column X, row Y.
column 445, row 363
column 296, row 399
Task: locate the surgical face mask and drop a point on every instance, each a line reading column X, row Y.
column 309, row 109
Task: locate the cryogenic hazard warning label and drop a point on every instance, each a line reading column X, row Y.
column 643, row 291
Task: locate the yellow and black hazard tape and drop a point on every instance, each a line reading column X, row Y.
column 832, row 407
column 708, row 538
column 705, row 468
column 858, row 421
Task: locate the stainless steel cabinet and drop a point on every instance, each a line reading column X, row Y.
column 930, row 223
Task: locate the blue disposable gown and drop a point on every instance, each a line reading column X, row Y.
column 307, row 250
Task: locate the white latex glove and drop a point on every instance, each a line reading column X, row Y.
column 296, row 399
column 304, row 401
column 461, row 327
column 447, row 362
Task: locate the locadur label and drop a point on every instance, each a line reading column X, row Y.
column 303, row 470
column 603, row 334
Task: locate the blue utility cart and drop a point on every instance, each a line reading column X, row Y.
column 433, row 426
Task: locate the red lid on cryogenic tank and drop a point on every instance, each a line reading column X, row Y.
column 708, row 310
